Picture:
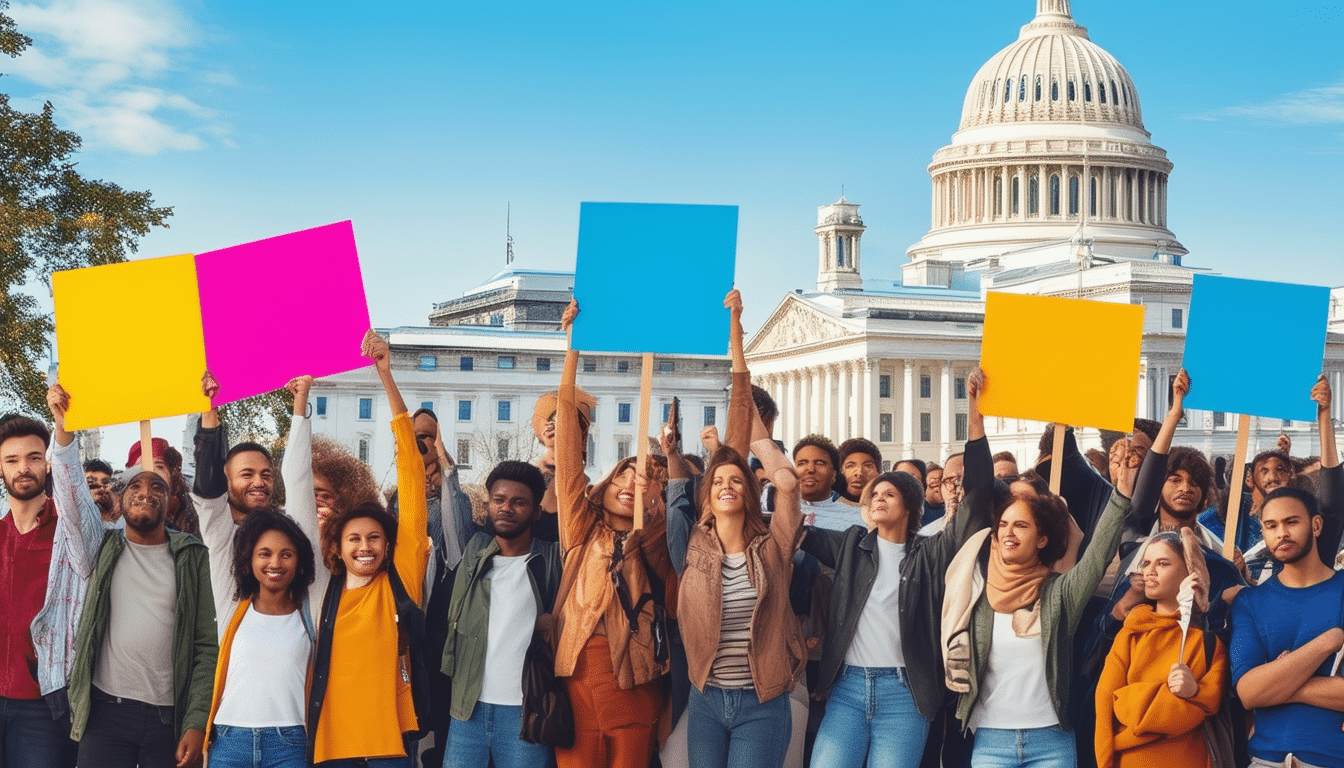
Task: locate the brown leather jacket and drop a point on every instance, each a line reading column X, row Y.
column 778, row 653
column 588, row 544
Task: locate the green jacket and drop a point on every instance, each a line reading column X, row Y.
column 195, row 642
column 1063, row 597
column 469, row 613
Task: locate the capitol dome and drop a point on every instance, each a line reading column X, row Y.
column 1052, row 73
column 1051, row 149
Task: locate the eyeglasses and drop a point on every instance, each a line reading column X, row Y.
column 951, row 482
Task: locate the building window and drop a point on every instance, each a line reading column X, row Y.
column 667, row 413
column 884, row 427
column 1054, row 194
column 543, row 363
column 429, row 363
column 622, row 366
column 427, row 405
column 366, row 407
column 711, row 415
column 960, row 427
column 364, row 450
column 1034, row 196
column 464, row 363
column 464, row 410
column 1101, row 90
column 1054, row 89
column 666, row 366
column 1092, row 197
column 321, row 408
column 884, row 385
column 925, row 386
column 1017, row 196
column 463, row 452
column 998, row 196
column 1022, row 89
column 925, row 427
column 1219, row 419
column 623, row 413
column 959, row 387
column 839, row 251
column 590, row 365
column 622, row 448
column 504, row 410
column 507, row 362
column 1038, row 89
column 497, row 319
column 1287, row 422
column 1177, row 317
column 1007, row 90
column 1071, row 94
column 503, row 449
column 1087, row 88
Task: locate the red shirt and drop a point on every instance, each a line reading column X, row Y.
column 25, row 560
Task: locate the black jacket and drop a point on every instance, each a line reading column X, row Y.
column 853, row 554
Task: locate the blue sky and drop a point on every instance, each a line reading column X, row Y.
column 420, row 121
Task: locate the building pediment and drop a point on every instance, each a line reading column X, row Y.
column 796, row 325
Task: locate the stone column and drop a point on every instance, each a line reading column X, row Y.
column 842, row 400
column 828, row 398
column 789, row 408
column 908, row 409
column 945, row 408
column 873, row 404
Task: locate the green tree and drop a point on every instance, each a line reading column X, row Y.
column 51, row 219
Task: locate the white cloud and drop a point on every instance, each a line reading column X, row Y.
column 95, row 60
column 1313, row 106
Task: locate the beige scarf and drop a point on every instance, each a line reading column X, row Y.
column 1012, row 587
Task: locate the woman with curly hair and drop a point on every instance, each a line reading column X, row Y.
column 365, row 705
column 258, row 703
column 340, row 481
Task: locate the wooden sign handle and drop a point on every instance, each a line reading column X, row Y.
column 1057, row 459
column 1235, row 487
column 641, row 463
column 146, row 447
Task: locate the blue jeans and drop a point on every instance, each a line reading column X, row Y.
column 734, row 729
column 492, row 734
column 31, row 738
column 1051, row 747
column 236, row 747
column 870, row 716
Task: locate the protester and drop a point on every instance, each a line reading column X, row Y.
column 607, row 655
column 146, row 648
column 860, row 462
column 341, row 482
column 743, row 647
column 257, row 714
column 816, row 460
column 933, row 495
column 543, row 426
column 1005, row 465
column 507, row 579
column 48, row 543
column 98, row 475
column 1161, row 680
column 882, row 668
column 366, row 703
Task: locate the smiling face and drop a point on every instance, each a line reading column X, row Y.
column 1018, row 538
column 859, row 469
column 728, row 490
column 325, row 497
column 933, row 487
column 251, row 481
column 816, row 473
column 363, row 547
column 1163, row 569
column 886, row 508
column 24, row 464
column 274, row 562
column 1290, row 530
column 1182, row 498
column 619, row 497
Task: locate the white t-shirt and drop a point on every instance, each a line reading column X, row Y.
column 877, row 639
column 1014, row 694
column 268, row 664
column 135, row 660
column 513, row 616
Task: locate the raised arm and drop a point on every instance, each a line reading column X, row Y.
column 977, row 502
column 1152, row 476
column 454, row 507
column 212, row 445
column 737, row 434
column 296, row 470
column 1330, row 480
column 412, row 552
column 787, row 519
column 570, row 487
column 76, row 513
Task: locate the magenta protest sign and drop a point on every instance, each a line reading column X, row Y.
column 282, row 307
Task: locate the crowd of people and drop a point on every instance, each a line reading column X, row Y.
column 734, row 603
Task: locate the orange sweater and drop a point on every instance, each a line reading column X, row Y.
column 1140, row 722
column 368, row 703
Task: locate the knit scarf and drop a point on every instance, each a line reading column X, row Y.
column 1011, row 587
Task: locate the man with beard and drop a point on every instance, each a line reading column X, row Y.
column 860, row 462
column 146, row 647
column 98, row 475
column 47, row 546
column 506, row 579
column 1286, row 634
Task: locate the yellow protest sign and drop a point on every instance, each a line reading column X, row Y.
column 1064, row 360
column 129, row 341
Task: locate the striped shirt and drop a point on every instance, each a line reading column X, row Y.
column 732, row 669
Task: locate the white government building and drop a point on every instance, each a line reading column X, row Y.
column 1051, row 186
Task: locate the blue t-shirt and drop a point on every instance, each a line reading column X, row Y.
column 1266, row 621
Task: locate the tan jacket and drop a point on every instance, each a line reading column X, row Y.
column 588, row 544
column 778, row 653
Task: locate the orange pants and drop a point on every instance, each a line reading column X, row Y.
column 613, row 728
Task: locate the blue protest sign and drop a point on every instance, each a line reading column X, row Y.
column 651, row 278
column 1254, row 347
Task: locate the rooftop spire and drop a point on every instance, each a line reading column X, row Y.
column 1053, row 8
column 1053, row 17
